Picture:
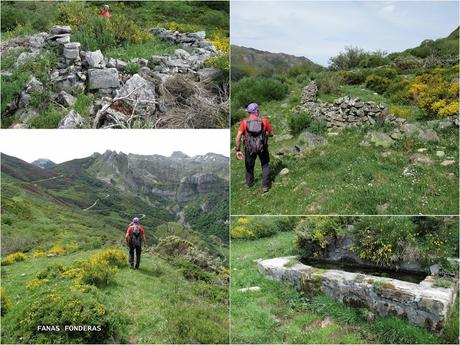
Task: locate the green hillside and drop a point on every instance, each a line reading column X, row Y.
column 55, row 244
column 446, row 47
column 341, row 171
column 253, row 62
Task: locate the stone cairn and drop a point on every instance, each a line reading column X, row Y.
column 346, row 111
column 136, row 95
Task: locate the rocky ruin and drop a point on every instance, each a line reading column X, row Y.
column 421, row 304
column 346, row 111
column 164, row 88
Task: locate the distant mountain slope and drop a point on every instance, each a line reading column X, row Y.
column 94, row 198
column 22, row 170
column 252, row 62
column 446, row 47
column 44, row 163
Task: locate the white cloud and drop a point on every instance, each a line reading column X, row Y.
column 321, row 29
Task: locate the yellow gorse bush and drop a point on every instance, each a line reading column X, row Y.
column 56, row 250
column 113, row 257
column 436, row 92
column 14, row 257
column 400, row 111
column 182, row 27
column 38, row 254
column 5, row 302
column 31, row 284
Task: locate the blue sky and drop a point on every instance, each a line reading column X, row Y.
column 321, row 29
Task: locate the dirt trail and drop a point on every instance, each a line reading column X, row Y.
column 95, row 203
column 46, row 179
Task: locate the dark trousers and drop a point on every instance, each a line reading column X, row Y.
column 138, row 250
column 250, row 161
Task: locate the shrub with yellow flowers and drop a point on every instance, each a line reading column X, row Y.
column 56, row 249
column 316, row 233
column 436, row 92
column 14, row 257
column 5, row 302
column 62, row 304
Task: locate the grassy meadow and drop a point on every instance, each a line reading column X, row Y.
column 347, row 175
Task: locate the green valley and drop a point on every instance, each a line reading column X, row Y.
column 63, row 231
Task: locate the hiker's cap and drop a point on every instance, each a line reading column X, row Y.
column 136, row 220
column 252, row 108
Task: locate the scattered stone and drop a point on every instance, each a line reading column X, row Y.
column 380, row 139
column 141, row 94
column 95, row 59
column 396, row 135
column 66, row 99
column 435, row 269
column 103, row 78
column 445, row 124
column 409, row 129
column 25, row 115
column 447, row 162
column 311, row 139
column 71, row 121
column 181, row 53
column 121, row 65
column 34, row 85
column 252, row 289
column 20, row 126
column 423, row 149
column 24, row 57
column 284, row 171
column 428, row 135
column 386, row 154
column 209, row 74
column 420, row 159
column 51, row 255
column 440, row 154
column 57, row 30
column 72, row 51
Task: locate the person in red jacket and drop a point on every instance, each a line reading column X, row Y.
column 135, row 238
column 256, row 131
column 105, row 11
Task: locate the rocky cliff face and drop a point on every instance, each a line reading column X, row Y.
column 178, row 177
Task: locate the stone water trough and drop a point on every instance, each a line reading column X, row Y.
column 421, row 304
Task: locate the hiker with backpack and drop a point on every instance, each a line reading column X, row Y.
column 256, row 131
column 105, row 12
column 135, row 237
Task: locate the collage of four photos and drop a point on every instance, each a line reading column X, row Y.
column 229, row 172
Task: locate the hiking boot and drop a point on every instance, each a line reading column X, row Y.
column 265, row 189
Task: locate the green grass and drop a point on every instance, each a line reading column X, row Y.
column 141, row 50
column 279, row 313
column 345, row 178
column 83, row 104
column 158, row 304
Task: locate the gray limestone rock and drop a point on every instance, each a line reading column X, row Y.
column 103, row 78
